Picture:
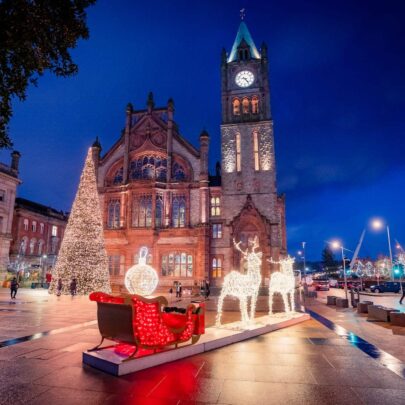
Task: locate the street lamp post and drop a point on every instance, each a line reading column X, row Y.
column 378, row 224
column 337, row 245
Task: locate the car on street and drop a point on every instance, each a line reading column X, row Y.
column 387, row 286
column 320, row 284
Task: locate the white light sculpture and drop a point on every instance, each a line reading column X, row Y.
column 369, row 269
column 243, row 286
column 141, row 278
column 283, row 282
column 358, row 268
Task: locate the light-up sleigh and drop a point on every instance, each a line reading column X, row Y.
column 146, row 323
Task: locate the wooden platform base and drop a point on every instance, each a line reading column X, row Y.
column 112, row 359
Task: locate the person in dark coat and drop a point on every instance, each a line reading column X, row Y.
column 403, row 292
column 207, row 289
column 14, row 287
column 73, row 287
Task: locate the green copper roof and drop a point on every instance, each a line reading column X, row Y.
column 243, row 33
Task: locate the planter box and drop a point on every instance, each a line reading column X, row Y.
column 362, row 307
column 380, row 313
column 342, row 303
column 397, row 318
column 331, row 300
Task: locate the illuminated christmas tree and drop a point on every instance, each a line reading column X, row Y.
column 82, row 255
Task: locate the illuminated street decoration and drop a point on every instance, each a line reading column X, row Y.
column 141, row 278
column 359, row 268
column 243, row 286
column 82, row 255
column 283, row 282
column 369, row 269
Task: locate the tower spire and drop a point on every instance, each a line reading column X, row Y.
column 243, row 35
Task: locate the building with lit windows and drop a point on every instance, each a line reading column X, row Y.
column 37, row 233
column 9, row 180
column 156, row 190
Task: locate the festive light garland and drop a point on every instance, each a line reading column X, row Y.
column 243, row 286
column 283, row 282
column 82, row 255
column 141, row 278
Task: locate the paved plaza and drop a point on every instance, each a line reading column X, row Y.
column 304, row 364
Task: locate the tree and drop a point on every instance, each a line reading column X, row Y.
column 36, row 36
column 82, row 254
column 328, row 259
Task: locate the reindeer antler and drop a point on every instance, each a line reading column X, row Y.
column 272, row 261
column 237, row 247
column 255, row 243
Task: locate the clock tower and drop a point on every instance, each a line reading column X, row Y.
column 251, row 204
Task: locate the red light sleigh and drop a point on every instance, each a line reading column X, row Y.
column 144, row 323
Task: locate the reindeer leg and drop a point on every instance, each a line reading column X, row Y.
column 271, row 302
column 253, row 307
column 285, row 299
column 292, row 297
column 243, row 310
column 219, row 309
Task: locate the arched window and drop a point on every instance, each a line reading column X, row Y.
column 255, row 105
column 159, row 211
column 238, row 153
column 178, row 172
column 245, row 105
column 177, row 264
column 40, row 246
column 216, row 267
column 41, row 227
column 25, row 224
column 149, row 167
column 179, row 211
column 32, row 246
column 215, row 206
column 113, row 220
column 236, row 106
column 34, row 226
column 23, row 245
column 142, row 211
column 119, row 176
column 256, row 150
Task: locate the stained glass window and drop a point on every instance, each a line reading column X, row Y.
column 159, row 211
column 149, row 167
column 113, row 220
column 142, row 211
column 179, row 211
column 178, row 172
column 119, row 176
column 177, row 264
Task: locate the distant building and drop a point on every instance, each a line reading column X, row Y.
column 156, row 191
column 37, row 233
column 8, row 184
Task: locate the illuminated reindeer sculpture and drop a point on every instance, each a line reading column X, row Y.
column 283, row 282
column 243, row 286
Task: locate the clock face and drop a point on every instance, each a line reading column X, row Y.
column 244, row 78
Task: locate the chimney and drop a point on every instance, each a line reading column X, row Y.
column 15, row 160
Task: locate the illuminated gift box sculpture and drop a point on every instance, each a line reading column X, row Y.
column 283, row 282
column 143, row 323
column 243, row 286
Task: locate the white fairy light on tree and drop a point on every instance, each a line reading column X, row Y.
column 283, row 282
column 243, row 286
column 82, row 255
column 141, row 278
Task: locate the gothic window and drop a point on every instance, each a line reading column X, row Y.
column 236, row 106
column 255, row 105
column 238, row 153
column 142, row 211
column 25, row 224
column 215, row 206
column 216, row 267
column 217, row 231
column 256, row 150
column 179, row 211
column 245, row 105
column 149, row 167
column 34, row 226
column 116, row 265
column 119, row 176
column 32, row 246
column 177, row 264
column 113, row 220
column 159, row 211
column 178, row 172
column 41, row 227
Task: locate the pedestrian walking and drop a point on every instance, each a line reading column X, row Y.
column 179, row 289
column 73, row 287
column 14, row 287
column 403, row 292
column 207, row 289
column 59, row 287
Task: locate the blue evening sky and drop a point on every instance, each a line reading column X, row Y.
column 337, row 89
